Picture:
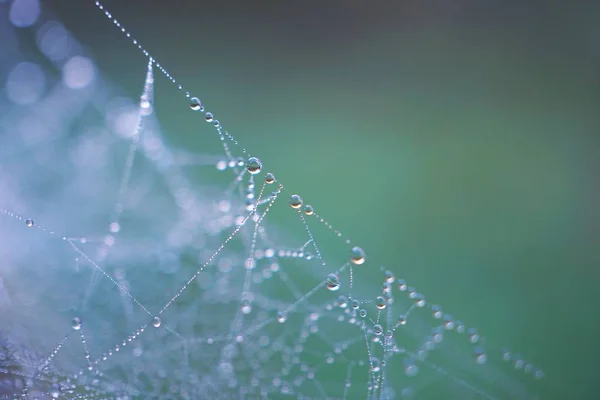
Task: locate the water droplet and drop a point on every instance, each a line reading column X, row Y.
column 480, row 356
column 358, row 255
column 295, row 201
column 377, row 329
column 539, row 374
column 269, row 178
column 343, row 301
column 402, row 320
column 55, row 390
column 380, row 302
column 389, row 276
column 208, row 117
column 402, row 286
column 333, row 282
column 375, row 365
column 437, row 312
column 473, row 335
column 156, row 322
column 281, row 317
column 309, row 210
column 410, row 368
column 76, row 323
column 355, row 304
column 362, row 313
column 195, row 103
column 246, row 307
column 29, row 222
column 253, row 165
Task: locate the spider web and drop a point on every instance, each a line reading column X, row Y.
column 135, row 269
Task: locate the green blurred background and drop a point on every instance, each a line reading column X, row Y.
column 457, row 142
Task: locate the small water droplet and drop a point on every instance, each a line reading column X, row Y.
column 402, row 320
column 281, row 317
column 380, row 302
column 76, row 323
column 29, row 222
column 410, row 368
column 55, row 391
column 156, row 322
column 269, row 178
column 375, row 364
column 208, row 117
column 309, row 210
column 333, row 282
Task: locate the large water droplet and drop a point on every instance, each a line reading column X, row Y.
column 333, row 282
column 358, row 255
column 253, row 165
column 76, row 323
column 195, row 103
column 377, row 329
column 295, row 201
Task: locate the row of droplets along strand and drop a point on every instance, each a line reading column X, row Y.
column 253, row 164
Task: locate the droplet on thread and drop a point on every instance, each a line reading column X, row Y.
column 76, row 323
column 295, row 201
column 29, row 222
column 156, row 322
column 333, row 282
column 358, row 256
column 195, row 103
column 269, row 178
column 253, row 165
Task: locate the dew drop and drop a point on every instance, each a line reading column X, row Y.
column 208, row 117
column 375, row 365
column 402, row 286
column 55, row 391
column 377, row 329
column 539, row 374
column 253, row 165
column 402, row 320
column 362, row 313
column 410, row 368
column 358, row 256
column 309, row 210
column 473, row 335
column 246, row 307
column 354, row 304
column 29, row 222
column 156, row 322
column 195, row 103
column 269, row 178
column 480, row 356
column 333, row 282
column 76, row 323
column 389, row 276
column 437, row 312
column 380, row 302
column 281, row 317
column 295, row 201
